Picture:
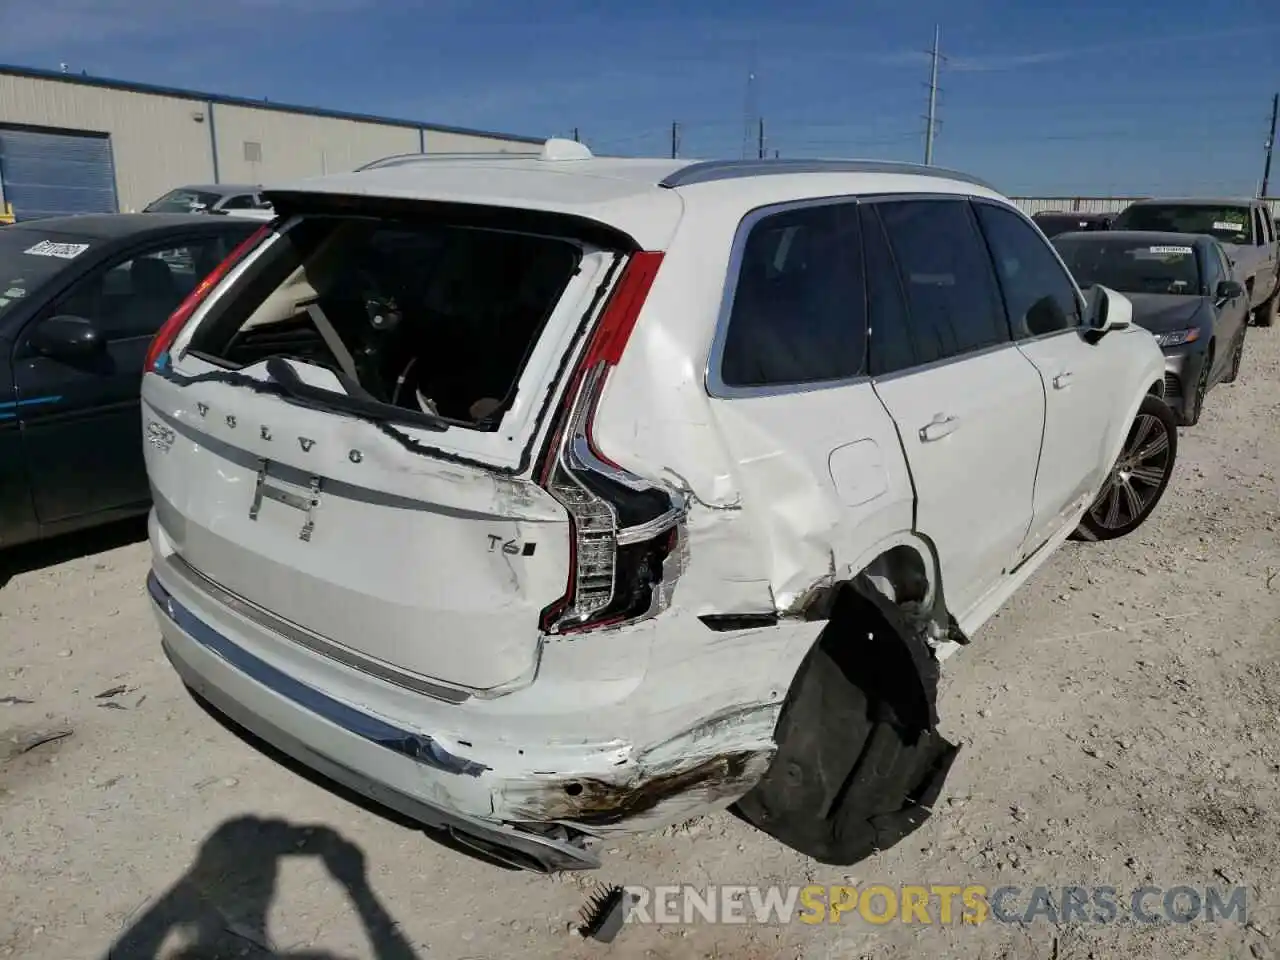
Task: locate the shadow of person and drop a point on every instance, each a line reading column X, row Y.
column 219, row 907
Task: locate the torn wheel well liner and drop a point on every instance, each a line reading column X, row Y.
column 859, row 762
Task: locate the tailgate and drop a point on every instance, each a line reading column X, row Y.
column 432, row 568
column 344, row 436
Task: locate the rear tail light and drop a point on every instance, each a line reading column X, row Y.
column 627, row 535
column 158, row 353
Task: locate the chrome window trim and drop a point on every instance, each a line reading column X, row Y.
column 718, row 389
column 947, row 361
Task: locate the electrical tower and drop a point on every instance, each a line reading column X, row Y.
column 931, row 119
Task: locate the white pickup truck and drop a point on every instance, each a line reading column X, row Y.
column 1245, row 229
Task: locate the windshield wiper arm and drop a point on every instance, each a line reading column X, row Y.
column 358, row 402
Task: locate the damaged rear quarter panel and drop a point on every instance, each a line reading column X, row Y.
column 709, row 764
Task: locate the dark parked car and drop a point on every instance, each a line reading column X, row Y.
column 80, row 300
column 1243, row 227
column 1183, row 290
column 1054, row 222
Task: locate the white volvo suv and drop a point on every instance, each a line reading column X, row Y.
column 546, row 497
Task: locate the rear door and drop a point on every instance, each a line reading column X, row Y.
column 1265, row 239
column 968, row 405
column 1081, row 380
column 347, row 431
column 79, row 417
column 1232, row 316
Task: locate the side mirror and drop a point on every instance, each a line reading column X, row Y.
column 1108, row 310
column 1229, row 290
column 67, row 338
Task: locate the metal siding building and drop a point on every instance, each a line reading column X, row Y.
column 66, row 139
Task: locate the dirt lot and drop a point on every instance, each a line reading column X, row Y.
column 1119, row 721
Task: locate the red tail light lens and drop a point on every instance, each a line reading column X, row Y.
column 627, row 533
column 158, row 352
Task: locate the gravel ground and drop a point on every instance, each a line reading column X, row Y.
column 1119, row 722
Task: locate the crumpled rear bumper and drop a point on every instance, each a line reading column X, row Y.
column 351, row 748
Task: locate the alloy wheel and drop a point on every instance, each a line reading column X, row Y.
column 1138, row 475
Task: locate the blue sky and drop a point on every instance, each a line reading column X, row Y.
column 1088, row 97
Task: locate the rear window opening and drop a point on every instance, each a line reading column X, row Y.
column 430, row 317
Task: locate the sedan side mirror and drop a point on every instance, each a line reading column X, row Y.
column 65, row 337
column 1229, row 290
column 1108, row 310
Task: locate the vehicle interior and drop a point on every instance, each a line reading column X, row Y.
column 433, row 318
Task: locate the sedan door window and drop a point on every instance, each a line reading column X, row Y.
column 134, row 297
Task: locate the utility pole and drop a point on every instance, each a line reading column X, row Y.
column 760, row 154
column 675, row 139
column 932, row 118
column 751, row 109
column 1271, row 142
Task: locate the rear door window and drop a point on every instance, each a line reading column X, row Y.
column 428, row 316
column 799, row 308
column 1039, row 296
column 133, row 298
column 889, row 339
column 31, row 258
column 952, row 300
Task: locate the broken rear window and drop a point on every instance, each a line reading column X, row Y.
column 430, row 317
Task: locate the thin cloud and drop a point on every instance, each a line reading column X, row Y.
column 998, row 62
column 51, row 26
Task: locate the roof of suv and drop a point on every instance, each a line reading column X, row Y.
column 643, row 197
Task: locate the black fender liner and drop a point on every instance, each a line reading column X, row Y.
column 860, row 763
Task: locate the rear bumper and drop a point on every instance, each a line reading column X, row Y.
column 585, row 752
column 351, row 748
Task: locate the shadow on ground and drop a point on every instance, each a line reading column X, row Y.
column 219, row 908
column 15, row 561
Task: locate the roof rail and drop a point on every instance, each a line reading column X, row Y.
column 552, row 150
column 709, row 171
column 400, row 159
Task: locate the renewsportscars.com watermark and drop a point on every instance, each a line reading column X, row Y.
column 930, row 904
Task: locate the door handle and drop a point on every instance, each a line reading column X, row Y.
column 1062, row 380
column 939, row 428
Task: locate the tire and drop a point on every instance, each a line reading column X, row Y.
column 1265, row 315
column 1234, row 370
column 852, row 775
column 1145, row 450
column 1193, row 406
